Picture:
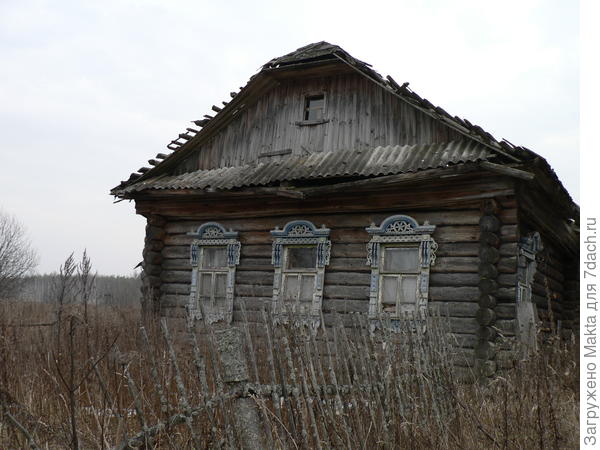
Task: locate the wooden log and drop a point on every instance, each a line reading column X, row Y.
column 487, row 270
column 487, row 301
column 489, row 224
column 489, row 255
column 155, row 232
column 485, row 350
column 453, row 309
column 345, row 306
column 346, row 292
column 507, row 279
column 488, row 286
column 487, row 333
column 152, row 269
column 506, row 327
column 453, row 279
column 485, row 316
column 175, row 288
column 506, row 311
column 153, row 258
column 347, row 278
column 459, row 294
column 177, row 264
column 173, row 300
column 455, row 264
column 490, row 239
column 256, row 277
column 490, row 206
column 507, row 265
column 486, row 368
column 176, row 276
column 154, row 245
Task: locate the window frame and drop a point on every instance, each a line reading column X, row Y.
column 299, row 233
column 212, row 234
column 306, row 98
column 399, row 231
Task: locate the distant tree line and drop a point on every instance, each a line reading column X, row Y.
column 105, row 289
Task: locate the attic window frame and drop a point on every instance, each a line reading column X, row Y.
column 307, row 98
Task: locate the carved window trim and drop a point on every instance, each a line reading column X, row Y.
column 529, row 247
column 213, row 234
column 400, row 231
column 299, row 233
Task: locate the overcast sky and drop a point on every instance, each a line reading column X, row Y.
column 89, row 91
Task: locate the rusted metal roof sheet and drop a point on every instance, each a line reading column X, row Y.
column 361, row 163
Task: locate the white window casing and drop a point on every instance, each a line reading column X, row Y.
column 300, row 254
column 214, row 255
column 400, row 254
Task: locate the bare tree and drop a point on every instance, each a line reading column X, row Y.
column 17, row 257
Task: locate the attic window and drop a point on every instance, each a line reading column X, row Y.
column 314, row 107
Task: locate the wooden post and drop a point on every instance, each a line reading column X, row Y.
column 230, row 346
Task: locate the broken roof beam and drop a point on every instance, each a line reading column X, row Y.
column 216, row 109
column 201, row 122
column 505, row 170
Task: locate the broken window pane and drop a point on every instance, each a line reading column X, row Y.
column 301, row 257
column 214, row 257
column 401, row 259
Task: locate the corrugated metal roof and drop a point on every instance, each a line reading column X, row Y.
column 372, row 162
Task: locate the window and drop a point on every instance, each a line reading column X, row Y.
column 400, row 253
column 314, row 108
column 214, row 255
column 300, row 254
column 527, row 316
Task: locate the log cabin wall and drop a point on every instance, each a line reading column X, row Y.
column 359, row 115
column 454, row 279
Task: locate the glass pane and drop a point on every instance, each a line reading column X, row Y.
column 214, row 257
column 314, row 114
column 301, row 257
column 401, row 259
column 220, row 287
column 389, row 288
column 290, row 288
column 307, row 288
column 316, row 102
column 205, row 286
column 409, row 290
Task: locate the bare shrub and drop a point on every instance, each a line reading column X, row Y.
column 17, row 257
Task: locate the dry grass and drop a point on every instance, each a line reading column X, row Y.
column 95, row 382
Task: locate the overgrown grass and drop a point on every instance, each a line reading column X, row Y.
column 94, row 381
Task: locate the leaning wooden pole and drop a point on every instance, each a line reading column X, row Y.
column 230, row 347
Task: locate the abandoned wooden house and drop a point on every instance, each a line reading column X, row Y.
column 322, row 187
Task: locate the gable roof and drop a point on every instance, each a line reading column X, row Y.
column 319, row 55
